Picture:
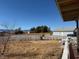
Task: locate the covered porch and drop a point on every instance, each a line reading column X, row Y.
column 69, row 10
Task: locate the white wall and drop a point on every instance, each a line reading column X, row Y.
column 62, row 33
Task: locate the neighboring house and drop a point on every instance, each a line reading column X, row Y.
column 64, row 31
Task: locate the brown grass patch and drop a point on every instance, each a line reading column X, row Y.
column 33, row 49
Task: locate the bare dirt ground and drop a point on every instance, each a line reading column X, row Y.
column 21, row 49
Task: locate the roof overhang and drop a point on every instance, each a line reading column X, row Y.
column 68, row 9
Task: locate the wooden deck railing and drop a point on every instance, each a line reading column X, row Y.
column 66, row 54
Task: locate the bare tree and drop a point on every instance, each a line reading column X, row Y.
column 8, row 36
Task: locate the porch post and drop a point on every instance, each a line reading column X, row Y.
column 77, row 27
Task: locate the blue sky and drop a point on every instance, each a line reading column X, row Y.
column 31, row 13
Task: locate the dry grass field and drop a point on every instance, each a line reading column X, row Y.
column 20, row 49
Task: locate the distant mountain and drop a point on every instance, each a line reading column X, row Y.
column 8, row 30
column 5, row 30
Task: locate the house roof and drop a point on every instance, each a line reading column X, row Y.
column 65, row 29
column 68, row 9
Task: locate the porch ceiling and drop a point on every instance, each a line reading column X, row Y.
column 68, row 9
